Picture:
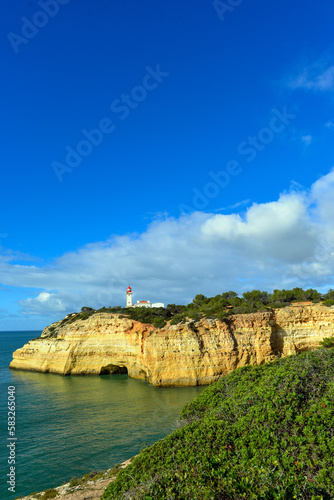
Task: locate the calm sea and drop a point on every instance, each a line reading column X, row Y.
column 68, row 426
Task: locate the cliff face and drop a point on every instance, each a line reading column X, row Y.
column 194, row 353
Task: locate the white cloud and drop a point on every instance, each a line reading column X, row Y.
column 269, row 231
column 284, row 243
column 44, row 303
column 307, row 139
column 322, row 196
column 317, row 77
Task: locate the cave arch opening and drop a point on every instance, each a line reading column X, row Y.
column 113, row 370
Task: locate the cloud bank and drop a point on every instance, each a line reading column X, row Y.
column 284, row 243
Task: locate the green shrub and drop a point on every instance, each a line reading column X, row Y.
column 261, row 432
column 195, row 316
column 328, row 302
column 75, row 481
column 85, row 315
column 327, row 343
column 175, row 309
column 256, row 296
column 178, row 318
column 91, row 476
column 158, row 322
column 50, row 494
column 329, row 294
column 52, row 333
column 222, row 315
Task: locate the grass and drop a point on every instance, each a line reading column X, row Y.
column 261, row 432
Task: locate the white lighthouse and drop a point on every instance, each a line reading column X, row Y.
column 128, row 297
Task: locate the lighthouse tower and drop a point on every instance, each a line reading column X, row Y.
column 128, row 297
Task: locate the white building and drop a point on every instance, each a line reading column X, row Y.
column 142, row 303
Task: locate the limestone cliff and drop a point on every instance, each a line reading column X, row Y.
column 193, row 353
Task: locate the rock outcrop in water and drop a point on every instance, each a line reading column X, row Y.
column 188, row 354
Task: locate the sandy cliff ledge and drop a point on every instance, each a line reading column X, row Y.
column 194, row 353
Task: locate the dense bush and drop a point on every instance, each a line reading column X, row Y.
column 329, row 294
column 157, row 316
column 327, row 343
column 261, row 432
column 229, row 303
column 328, row 302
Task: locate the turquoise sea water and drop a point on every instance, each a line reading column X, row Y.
column 68, row 426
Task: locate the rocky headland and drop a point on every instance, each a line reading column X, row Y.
column 186, row 354
column 91, row 486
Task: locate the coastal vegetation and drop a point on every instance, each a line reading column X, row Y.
column 219, row 307
column 94, row 476
column 47, row 495
column 77, row 485
column 261, row 432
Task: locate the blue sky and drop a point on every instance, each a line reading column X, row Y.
column 179, row 147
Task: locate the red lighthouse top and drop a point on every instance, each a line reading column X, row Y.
column 128, row 290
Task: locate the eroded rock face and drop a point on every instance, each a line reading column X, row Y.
column 194, row 353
